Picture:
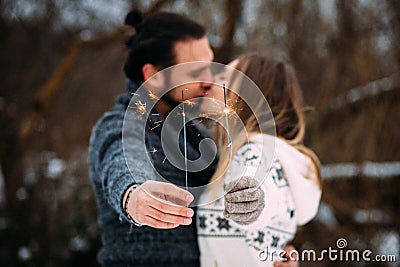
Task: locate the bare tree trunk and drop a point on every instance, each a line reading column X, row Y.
column 13, row 180
column 394, row 7
column 343, row 46
column 156, row 7
column 233, row 14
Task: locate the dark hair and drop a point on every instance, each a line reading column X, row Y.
column 154, row 40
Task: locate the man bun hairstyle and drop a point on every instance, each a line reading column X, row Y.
column 154, row 40
column 134, row 18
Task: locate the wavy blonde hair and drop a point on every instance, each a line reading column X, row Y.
column 278, row 83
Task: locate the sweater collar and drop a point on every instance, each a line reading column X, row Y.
column 131, row 86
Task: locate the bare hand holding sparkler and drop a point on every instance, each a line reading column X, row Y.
column 159, row 205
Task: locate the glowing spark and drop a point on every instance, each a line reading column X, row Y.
column 153, row 96
column 140, row 107
column 152, row 150
column 229, row 111
column 155, row 127
column 164, row 160
column 190, row 103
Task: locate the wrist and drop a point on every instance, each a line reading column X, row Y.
column 125, row 203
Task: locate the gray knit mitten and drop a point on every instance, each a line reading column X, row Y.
column 244, row 201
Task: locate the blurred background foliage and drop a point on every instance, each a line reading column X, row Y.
column 61, row 68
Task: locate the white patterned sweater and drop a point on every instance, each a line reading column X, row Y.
column 291, row 198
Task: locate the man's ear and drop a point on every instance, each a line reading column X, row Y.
column 152, row 76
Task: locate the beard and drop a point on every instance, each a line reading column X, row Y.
column 193, row 109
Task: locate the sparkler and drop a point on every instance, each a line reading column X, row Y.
column 190, row 103
column 153, row 96
column 226, row 111
column 155, row 127
column 156, row 123
column 140, row 107
column 184, row 140
column 152, row 150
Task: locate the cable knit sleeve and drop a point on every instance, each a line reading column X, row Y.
column 108, row 168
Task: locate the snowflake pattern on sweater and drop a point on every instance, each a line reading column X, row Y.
column 275, row 227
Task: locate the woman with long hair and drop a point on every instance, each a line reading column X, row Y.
column 251, row 227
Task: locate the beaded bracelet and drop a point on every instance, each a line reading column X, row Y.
column 125, row 207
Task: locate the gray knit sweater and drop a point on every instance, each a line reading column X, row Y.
column 124, row 244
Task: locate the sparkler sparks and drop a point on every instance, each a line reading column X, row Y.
column 140, row 107
column 155, row 127
column 152, row 150
column 153, row 96
column 190, row 103
column 157, row 124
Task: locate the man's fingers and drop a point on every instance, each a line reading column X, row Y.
column 168, row 192
column 149, row 221
column 168, row 218
column 160, row 214
column 166, row 207
column 163, row 214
